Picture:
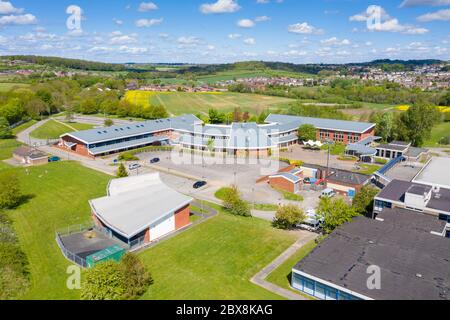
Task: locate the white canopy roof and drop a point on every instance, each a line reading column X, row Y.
column 133, row 204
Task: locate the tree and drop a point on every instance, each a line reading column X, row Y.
column 363, row 201
column 237, row 115
column 288, row 216
column 138, row 278
column 105, row 281
column 216, row 117
column 385, row 126
column 416, row 123
column 334, row 213
column 234, row 204
column 5, row 130
column 108, row 123
column 307, row 132
column 10, row 194
column 122, row 172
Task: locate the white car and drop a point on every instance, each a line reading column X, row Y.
column 328, row 193
column 134, row 166
column 312, row 222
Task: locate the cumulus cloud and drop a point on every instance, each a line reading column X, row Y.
column 335, row 42
column 141, row 23
column 378, row 19
column 24, row 19
column 147, row 6
column 7, row 8
column 304, row 28
column 246, row 23
column 221, row 6
column 418, row 3
column 250, row 41
column 441, row 15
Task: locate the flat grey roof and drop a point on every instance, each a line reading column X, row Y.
column 392, row 147
column 289, row 176
column 348, row 177
column 436, row 173
column 127, row 144
column 133, row 204
column 415, row 264
column 326, row 124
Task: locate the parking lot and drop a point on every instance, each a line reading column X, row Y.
column 181, row 175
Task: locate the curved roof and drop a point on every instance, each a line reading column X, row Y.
column 133, row 204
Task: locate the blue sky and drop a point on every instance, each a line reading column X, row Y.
column 218, row 31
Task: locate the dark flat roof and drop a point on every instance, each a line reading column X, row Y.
column 348, row 177
column 415, row 264
column 395, row 191
column 392, row 147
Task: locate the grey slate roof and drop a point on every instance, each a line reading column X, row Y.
column 182, row 123
column 289, row 176
column 286, row 121
column 415, row 264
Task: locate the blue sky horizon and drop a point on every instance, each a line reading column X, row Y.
column 224, row 31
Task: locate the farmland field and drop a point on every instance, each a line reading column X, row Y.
column 53, row 129
column 8, row 86
column 178, row 103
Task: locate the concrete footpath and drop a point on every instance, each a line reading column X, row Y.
column 260, row 278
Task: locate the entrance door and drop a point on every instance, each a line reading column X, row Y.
column 162, row 227
column 351, row 193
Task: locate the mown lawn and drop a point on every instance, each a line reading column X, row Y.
column 281, row 276
column 53, row 129
column 438, row 132
column 23, row 127
column 215, row 260
column 7, row 146
column 58, row 198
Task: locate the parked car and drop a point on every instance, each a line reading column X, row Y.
column 54, row 159
column 199, row 184
column 134, row 166
column 328, row 193
column 307, row 181
column 155, row 160
column 312, row 222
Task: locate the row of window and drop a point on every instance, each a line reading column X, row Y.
column 319, row 290
column 108, row 143
column 339, row 136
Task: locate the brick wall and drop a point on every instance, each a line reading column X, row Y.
column 281, row 183
column 182, row 217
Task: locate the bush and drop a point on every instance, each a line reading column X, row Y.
column 122, row 172
column 138, row 279
column 335, row 212
column 127, row 156
column 5, row 130
column 363, row 201
column 128, row 279
column 381, row 161
column 10, row 195
column 106, row 281
column 233, row 203
column 288, row 216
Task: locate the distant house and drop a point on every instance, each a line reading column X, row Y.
column 30, row 156
column 140, row 209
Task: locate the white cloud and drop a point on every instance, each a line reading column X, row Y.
column 147, row 6
column 250, row 41
column 148, row 22
column 123, row 39
column 386, row 23
column 335, row 42
column 441, row 15
column 7, row 8
column 303, row 28
column 221, row 6
column 24, row 19
column 188, row 41
column 234, row 36
column 246, row 23
column 133, row 50
column 417, row 3
column 118, row 21
column 262, row 19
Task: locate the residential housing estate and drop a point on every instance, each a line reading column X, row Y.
column 237, row 139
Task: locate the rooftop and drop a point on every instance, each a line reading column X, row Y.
column 415, row 264
column 134, row 203
column 348, row 177
column 32, row 153
column 435, row 173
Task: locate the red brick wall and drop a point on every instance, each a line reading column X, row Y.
column 80, row 148
column 147, row 236
column 281, row 183
column 182, row 217
column 369, row 133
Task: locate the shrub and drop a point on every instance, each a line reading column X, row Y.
column 127, row 156
column 233, row 203
column 335, row 212
column 363, row 201
column 138, row 279
column 106, row 281
column 288, row 216
column 122, row 172
column 5, row 130
column 10, row 195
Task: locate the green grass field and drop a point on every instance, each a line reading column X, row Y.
column 281, row 276
column 439, row 131
column 24, row 126
column 182, row 103
column 7, row 146
column 59, row 194
column 213, row 260
column 53, row 129
column 5, row 86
